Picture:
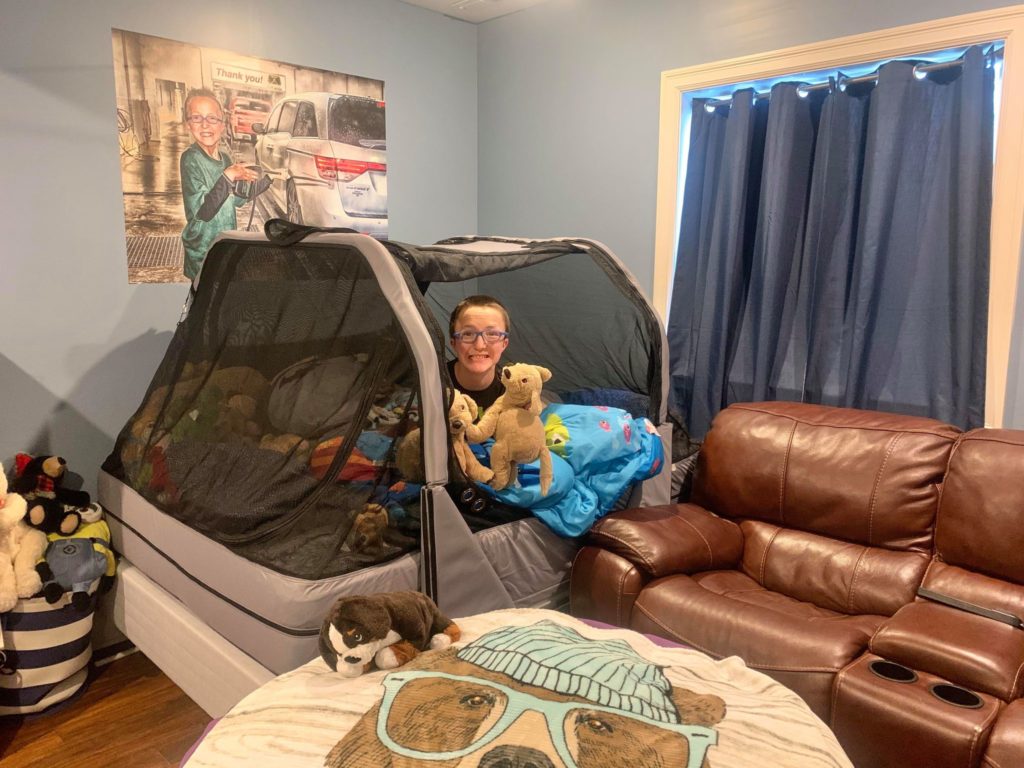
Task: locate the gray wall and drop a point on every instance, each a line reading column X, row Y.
column 78, row 345
column 569, row 100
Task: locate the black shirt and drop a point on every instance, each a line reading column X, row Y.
column 484, row 398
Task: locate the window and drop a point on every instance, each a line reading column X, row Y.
column 305, row 121
column 274, row 118
column 678, row 87
column 287, row 117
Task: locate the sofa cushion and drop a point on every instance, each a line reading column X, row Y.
column 726, row 613
column 982, row 509
column 861, row 476
column 837, row 575
column 973, row 651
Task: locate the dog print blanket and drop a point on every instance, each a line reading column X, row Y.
column 526, row 687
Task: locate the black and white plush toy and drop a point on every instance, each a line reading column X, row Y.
column 387, row 629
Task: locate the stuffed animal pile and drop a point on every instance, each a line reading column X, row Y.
column 53, row 540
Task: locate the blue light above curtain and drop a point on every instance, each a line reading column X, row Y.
column 834, row 247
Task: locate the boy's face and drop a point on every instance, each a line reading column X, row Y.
column 205, row 123
column 479, row 356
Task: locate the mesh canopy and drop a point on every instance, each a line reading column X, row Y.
column 273, row 418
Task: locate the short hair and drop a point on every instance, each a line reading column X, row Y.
column 480, row 300
column 202, row 93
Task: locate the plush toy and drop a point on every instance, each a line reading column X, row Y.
column 514, row 421
column 73, row 563
column 50, row 516
column 387, row 629
column 42, row 476
column 368, row 528
column 461, row 415
column 20, row 548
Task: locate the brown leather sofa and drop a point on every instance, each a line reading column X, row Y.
column 809, row 533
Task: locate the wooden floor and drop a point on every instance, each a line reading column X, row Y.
column 131, row 716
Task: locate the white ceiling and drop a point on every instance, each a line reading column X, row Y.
column 474, row 11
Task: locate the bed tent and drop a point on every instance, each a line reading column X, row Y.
column 300, row 360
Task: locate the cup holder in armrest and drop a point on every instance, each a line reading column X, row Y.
column 955, row 695
column 890, row 670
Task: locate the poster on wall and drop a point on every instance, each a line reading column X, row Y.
column 212, row 140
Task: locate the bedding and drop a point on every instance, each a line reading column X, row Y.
column 522, row 684
column 597, row 454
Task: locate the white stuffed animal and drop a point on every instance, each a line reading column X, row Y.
column 21, row 547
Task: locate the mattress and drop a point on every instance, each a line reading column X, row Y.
column 275, row 619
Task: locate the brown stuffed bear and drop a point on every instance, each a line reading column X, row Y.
column 514, row 421
column 368, row 528
column 460, row 418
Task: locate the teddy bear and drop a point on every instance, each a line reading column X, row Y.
column 42, row 476
column 514, row 422
column 368, row 528
column 50, row 516
column 387, row 629
column 461, row 415
column 21, row 546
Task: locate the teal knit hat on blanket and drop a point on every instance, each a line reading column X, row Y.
column 558, row 658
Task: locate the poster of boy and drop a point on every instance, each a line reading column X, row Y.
column 212, row 140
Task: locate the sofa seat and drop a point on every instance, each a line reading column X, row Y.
column 727, row 613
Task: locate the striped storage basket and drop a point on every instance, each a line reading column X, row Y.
column 47, row 649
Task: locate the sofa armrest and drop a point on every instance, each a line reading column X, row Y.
column 675, row 538
column 973, row 651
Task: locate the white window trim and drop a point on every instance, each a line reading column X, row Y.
column 1005, row 24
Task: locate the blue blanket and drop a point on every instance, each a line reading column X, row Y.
column 597, row 453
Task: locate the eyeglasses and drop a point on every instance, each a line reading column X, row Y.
column 487, row 701
column 208, row 119
column 490, row 336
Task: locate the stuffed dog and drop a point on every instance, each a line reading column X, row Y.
column 514, row 421
column 461, row 415
column 388, row 628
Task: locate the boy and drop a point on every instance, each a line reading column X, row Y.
column 207, row 179
column 478, row 329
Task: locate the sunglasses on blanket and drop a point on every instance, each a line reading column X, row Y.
column 481, row 710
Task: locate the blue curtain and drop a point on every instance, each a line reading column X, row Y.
column 834, row 248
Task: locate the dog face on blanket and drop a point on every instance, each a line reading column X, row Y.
column 520, row 696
